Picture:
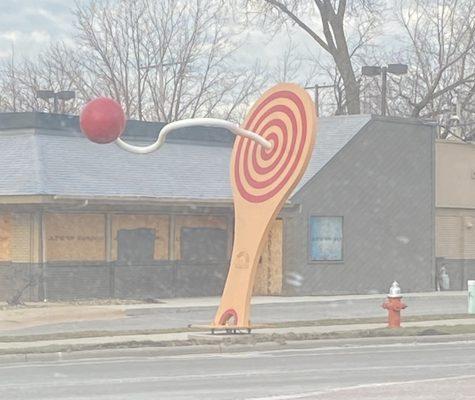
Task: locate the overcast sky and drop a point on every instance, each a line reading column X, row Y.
column 31, row 24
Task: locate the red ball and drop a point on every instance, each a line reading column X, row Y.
column 102, row 120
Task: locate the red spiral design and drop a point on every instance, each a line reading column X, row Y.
column 260, row 174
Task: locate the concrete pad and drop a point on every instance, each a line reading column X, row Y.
column 218, row 337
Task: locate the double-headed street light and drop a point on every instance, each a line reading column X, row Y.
column 64, row 95
column 395, row 69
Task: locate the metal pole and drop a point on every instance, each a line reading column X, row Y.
column 44, row 294
column 55, row 103
column 384, row 76
column 316, row 100
column 316, row 95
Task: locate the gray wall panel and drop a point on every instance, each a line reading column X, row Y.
column 381, row 182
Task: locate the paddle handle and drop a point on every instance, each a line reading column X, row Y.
column 249, row 238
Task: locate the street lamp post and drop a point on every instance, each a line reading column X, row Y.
column 64, row 95
column 395, row 69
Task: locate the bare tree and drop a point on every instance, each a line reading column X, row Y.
column 289, row 65
column 166, row 60
column 163, row 60
column 440, row 52
column 20, row 79
column 329, row 31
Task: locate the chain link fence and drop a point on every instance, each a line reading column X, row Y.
column 37, row 282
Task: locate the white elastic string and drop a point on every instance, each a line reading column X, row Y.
column 186, row 123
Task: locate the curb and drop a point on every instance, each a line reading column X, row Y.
column 223, row 348
column 109, row 353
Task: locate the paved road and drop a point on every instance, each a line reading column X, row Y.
column 158, row 318
column 402, row 372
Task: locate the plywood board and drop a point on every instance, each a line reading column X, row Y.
column 269, row 270
column 21, row 237
column 75, row 237
column 454, row 175
column 455, row 234
column 5, row 237
column 159, row 223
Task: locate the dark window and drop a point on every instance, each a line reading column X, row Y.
column 326, row 238
column 136, row 246
column 204, row 244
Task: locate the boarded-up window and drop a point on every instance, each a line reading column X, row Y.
column 326, row 238
column 203, row 244
column 136, row 246
column 159, row 224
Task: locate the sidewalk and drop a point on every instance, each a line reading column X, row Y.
column 43, row 318
column 194, row 302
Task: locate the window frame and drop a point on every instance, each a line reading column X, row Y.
column 309, row 240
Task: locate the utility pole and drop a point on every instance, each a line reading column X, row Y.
column 316, row 94
column 384, row 86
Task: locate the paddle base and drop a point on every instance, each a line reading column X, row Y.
column 228, row 329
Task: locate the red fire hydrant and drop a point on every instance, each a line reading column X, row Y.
column 394, row 305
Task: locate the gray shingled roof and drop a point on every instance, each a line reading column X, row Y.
column 332, row 134
column 50, row 162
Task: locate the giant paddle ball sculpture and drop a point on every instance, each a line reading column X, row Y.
column 102, row 120
column 270, row 155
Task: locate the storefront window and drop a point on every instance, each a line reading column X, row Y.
column 326, row 238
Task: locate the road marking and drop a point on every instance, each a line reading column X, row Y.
column 377, row 350
column 363, row 386
column 143, row 379
column 221, row 375
column 364, row 346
